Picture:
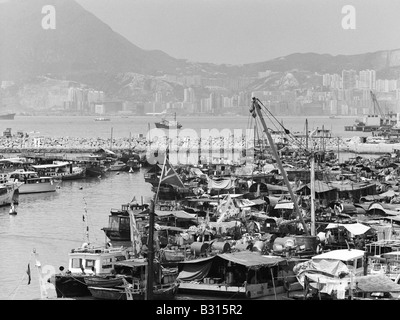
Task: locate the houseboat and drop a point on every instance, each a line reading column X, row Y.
column 63, row 170
column 243, row 274
column 331, row 275
column 133, row 272
column 118, row 229
column 85, row 262
column 33, row 183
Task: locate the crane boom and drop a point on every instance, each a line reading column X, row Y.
column 376, row 105
column 256, row 111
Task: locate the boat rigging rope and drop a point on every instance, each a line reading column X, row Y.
column 16, row 288
column 290, row 135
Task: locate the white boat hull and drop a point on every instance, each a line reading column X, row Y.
column 7, row 197
column 38, row 187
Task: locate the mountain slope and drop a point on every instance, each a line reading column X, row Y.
column 80, row 44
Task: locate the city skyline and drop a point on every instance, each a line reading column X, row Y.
column 238, row 32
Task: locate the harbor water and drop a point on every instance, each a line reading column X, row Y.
column 52, row 223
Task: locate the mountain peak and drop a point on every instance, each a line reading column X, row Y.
column 80, row 43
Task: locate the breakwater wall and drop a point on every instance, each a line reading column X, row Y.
column 73, row 145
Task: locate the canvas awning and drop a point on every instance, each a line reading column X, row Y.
column 243, row 203
column 131, row 263
column 284, row 205
column 274, row 187
column 354, row 228
column 258, row 201
column 221, row 196
column 376, row 283
column 251, row 260
column 177, row 214
column 245, row 258
column 221, row 184
column 385, row 208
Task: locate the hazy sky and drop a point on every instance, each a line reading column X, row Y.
column 245, row 31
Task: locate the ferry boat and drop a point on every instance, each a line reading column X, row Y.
column 85, row 262
column 168, row 124
column 63, row 170
column 33, row 183
column 102, row 119
column 7, row 116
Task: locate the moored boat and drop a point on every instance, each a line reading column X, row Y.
column 9, row 193
column 133, row 274
column 168, row 124
column 118, row 166
column 63, row 170
column 7, row 116
column 33, row 183
column 242, row 274
column 85, row 262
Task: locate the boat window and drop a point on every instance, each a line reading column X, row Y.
column 124, row 223
column 107, row 263
column 76, row 263
column 114, row 223
column 359, row 263
column 350, row 263
column 90, row 263
column 119, row 258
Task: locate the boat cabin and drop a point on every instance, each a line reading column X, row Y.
column 354, row 259
column 94, row 261
column 118, row 228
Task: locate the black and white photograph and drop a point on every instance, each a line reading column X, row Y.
column 200, row 154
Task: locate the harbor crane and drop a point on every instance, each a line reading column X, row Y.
column 385, row 118
column 255, row 110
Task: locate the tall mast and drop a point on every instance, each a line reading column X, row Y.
column 312, row 194
column 111, row 140
column 257, row 108
column 306, row 134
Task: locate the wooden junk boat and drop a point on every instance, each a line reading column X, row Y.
column 85, row 262
column 118, row 229
column 132, row 273
column 242, row 274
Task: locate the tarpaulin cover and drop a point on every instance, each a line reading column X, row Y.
column 284, row 205
column 198, row 172
column 250, row 259
column 340, row 254
column 258, row 201
column 245, row 258
column 177, row 214
column 319, row 187
column 376, row 283
column 387, row 209
column 195, row 271
column 221, row 184
column 245, row 203
column 354, row 228
column 274, row 187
